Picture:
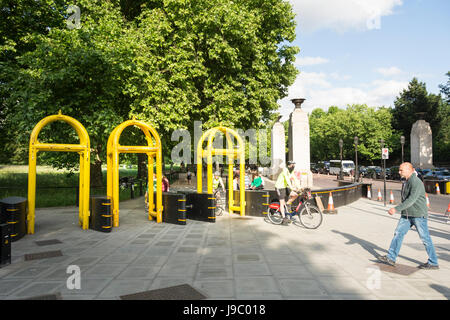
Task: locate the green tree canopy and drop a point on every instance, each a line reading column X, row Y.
column 169, row 62
column 368, row 123
column 441, row 147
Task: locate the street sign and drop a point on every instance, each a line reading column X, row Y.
column 384, row 153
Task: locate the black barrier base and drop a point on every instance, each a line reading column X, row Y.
column 200, row 206
column 256, row 202
column 5, row 244
column 101, row 215
column 174, row 207
column 13, row 211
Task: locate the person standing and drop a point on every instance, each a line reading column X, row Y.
column 165, row 184
column 257, row 183
column 189, row 176
column 236, row 180
column 414, row 212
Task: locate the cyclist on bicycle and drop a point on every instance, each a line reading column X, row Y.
column 217, row 182
column 285, row 185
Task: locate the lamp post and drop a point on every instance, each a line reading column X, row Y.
column 356, row 158
column 402, row 141
column 383, row 161
column 341, row 144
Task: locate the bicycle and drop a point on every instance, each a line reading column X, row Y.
column 220, row 202
column 305, row 214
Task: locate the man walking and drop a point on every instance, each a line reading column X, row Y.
column 414, row 212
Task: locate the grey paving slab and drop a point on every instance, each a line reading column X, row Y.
column 139, row 272
column 164, row 282
column 150, row 260
column 213, row 259
column 104, row 271
column 88, row 287
column 119, row 258
column 37, row 288
column 290, row 271
column 29, row 272
column 173, row 270
column 251, row 269
column 214, row 272
column 9, row 286
column 253, row 285
column 301, row 288
column 117, row 288
column 216, row 288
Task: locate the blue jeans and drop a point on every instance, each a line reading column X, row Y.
column 404, row 224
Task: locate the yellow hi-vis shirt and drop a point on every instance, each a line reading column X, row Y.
column 285, row 180
column 216, row 183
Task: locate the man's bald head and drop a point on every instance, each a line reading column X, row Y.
column 406, row 170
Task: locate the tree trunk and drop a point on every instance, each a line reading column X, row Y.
column 142, row 166
column 96, row 174
column 96, row 170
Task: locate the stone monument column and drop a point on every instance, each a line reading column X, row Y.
column 421, row 144
column 278, row 149
column 299, row 149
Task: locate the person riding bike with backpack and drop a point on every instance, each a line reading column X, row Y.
column 287, row 184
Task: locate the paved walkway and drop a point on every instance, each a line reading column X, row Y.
column 234, row 258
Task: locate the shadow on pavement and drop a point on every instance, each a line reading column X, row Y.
column 369, row 246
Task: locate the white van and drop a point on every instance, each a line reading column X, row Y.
column 347, row 166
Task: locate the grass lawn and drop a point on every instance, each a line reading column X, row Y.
column 54, row 188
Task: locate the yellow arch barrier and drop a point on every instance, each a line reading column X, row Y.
column 233, row 153
column 152, row 151
column 84, row 151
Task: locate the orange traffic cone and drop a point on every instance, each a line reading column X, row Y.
column 330, row 208
column 391, row 200
column 369, row 194
column 447, row 213
column 379, row 195
column 437, row 189
column 428, row 200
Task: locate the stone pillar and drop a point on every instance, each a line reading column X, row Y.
column 278, row 149
column 421, row 145
column 299, row 149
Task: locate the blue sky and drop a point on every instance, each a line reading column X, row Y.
column 366, row 51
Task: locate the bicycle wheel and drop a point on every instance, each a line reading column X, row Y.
column 310, row 217
column 220, row 203
column 274, row 216
column 219, row 210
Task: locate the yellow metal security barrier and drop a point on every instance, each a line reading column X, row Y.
column 153, row 150
column 232, row 153
column 83, row 150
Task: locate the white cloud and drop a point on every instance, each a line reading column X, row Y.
column 389, row 72
column 314, row 79
column 342, row 15
column 320, row 92
column 310, row 61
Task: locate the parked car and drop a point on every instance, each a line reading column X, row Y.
column 437, row 175
column 374, row 172
column 393, row 173
column 323, row 168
